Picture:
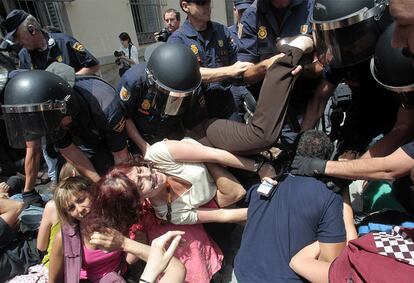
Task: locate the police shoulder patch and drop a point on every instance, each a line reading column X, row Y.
column 304, row 29
column 78, row 46
column 59, row 58
column 124, row 94
column 145, row 105
column 262, row 33
column 194, row 49
column 120, row 126
column 220, row 43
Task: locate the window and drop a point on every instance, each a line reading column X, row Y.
column 147, row 18
column 47, row 13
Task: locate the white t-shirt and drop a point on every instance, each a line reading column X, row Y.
column 134, row 53
column 203, row 189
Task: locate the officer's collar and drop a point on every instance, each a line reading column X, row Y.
column 265, row 6
column 190, row 31
column 50, row 40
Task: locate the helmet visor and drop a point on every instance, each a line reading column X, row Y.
column 23, row 125
column 172, row 103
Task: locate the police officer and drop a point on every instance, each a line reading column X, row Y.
column 216, row 53
column 374, row 110
column 239, row 7
column 84, row 121
column 262, row 25
column 161, row 97
column 395, row 72
column 42, row 48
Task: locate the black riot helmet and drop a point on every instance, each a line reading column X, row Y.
column 34, row 104
column 174, row 72
column 346, row 31
column 391, row 69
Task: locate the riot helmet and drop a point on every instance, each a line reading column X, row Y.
column 174, row 75
column 391, row 69
column 345, row 32
column 35, row 102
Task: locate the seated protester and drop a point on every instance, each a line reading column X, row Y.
column 297, row 212
column 48, row 229
column 372, row 258
column 180, row 183
column 73, row 256
column 17, row 252
column 200, row 255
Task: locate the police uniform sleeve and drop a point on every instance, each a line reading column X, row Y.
column 175, row 37
column 116, row 135
column 79, row 55
column 233, row 47
column 129, row 97
column 248, row 39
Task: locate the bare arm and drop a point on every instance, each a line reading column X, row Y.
column 80, row 161
column 89, row 71
column 221, row 215
column 48, row 219
column 330, row 251
column 135, row 136
column 258, row 71
column 56, row 260
column 316, row 104
column 306, row 264
column 400, row 134
column 390, row 167
column 31, row 164
column 158, row 260
column 210, row 75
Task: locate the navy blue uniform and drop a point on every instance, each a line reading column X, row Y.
column 61, row 48
column 98, row 126
column 138, row 102
column 263, row 25
column 213, row 49
column 373, row 109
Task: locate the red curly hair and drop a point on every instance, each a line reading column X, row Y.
column 115, row 202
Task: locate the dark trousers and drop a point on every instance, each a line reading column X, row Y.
column 265, row 126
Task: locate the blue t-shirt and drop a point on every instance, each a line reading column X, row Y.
column 300, row 211
column 409, row 149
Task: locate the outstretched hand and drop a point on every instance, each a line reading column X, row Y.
column 159, row 257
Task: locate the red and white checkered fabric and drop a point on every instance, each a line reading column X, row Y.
column 397, row 245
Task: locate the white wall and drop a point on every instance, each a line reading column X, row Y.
column 97, row 24
column 218, row 10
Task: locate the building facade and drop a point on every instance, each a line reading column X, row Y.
column 97, row 23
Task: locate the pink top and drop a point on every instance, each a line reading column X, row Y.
column 96, row 263
column 200, row 254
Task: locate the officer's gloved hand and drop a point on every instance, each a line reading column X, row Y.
column 308, row 166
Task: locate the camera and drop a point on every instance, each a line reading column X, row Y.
column 163, row 35
column 118, row 54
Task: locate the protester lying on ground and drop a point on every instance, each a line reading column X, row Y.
column 181, row 183
column 18, row 251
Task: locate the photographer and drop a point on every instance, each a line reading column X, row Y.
column 172, row 23
column 127, row 54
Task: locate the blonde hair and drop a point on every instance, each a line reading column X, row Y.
column 64, row 190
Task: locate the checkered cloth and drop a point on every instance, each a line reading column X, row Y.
column 399, row 245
